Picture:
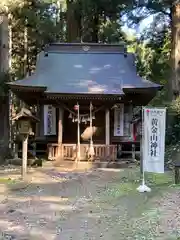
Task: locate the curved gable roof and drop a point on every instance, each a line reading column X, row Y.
column 86, row 72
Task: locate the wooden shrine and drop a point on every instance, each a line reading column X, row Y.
column 85, row 95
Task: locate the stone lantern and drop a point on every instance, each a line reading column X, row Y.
column 24, row 120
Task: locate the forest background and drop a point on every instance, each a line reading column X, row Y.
column 34, row 23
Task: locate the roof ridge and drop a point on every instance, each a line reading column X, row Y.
column 86, row 43
column 86, row 47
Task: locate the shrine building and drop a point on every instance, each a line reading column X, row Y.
column 85, row 96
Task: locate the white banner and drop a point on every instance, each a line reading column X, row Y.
column 49, row 120
column 119, row 121
column 154, row 139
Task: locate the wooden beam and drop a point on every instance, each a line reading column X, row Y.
column 62, row 105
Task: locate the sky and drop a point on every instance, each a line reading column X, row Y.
column 145, row 23
column 140, row 28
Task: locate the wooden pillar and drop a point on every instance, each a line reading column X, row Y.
column 133, row 151
column 107, row 133
column 24, row 156
column 41, row 124
column 60, row 132
column 60, row 126
column 107, row 129
column 38, row 123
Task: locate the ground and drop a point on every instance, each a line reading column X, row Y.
column 72, row 204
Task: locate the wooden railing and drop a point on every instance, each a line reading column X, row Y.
column 69, row 152
column 105, row 152
column 64, row 151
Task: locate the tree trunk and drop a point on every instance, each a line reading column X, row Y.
column 25, row 50
column 73, row 24
column 174, row 83
column 10, row 42
column 95, row 28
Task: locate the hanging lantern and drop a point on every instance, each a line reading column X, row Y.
column 76, row 107
column 93, row 117
column 70, row 115
column 73, row 120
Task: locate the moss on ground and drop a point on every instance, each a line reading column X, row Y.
column 7, row 181
column 138, row 215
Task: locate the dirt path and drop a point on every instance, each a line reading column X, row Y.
column 90, row 205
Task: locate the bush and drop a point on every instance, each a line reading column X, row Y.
column 172, row 154
column 173, row 122
column 173, row 133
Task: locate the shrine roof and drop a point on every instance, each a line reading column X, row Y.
column 85, row 69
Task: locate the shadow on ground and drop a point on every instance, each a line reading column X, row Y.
column 74, row 205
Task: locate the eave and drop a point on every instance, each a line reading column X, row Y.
column 110, row 97
column 15, row 88
column 143, row 90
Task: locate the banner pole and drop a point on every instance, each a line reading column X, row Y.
column 143, row 188
column 141, row 141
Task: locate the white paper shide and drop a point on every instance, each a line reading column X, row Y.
column 154, row 139
column 49, row 120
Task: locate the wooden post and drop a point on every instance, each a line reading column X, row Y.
column 60, row 126
column 91, row 147
column 24, row 156
column 133, row 151
column 107, row 116
column 107, row 131
column 16, row 151
column 78, row 135
column 177, row 176
column 60, row 132
column 37, row 133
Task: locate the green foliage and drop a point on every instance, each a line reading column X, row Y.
column 37, row 23
column 153, row 62
column 172, row 154
column 176, row 106
column 173, row 133
column 173, row 122
column 153, row 57
column 111, row 32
